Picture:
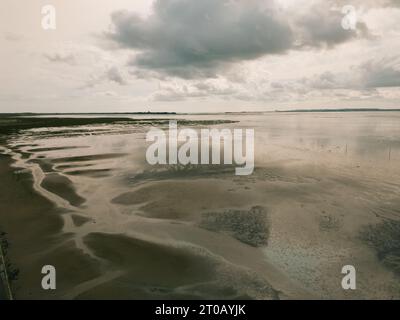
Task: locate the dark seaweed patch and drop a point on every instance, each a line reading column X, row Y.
column 385, row 239
column 251, row 227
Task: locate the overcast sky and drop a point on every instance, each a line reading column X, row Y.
column 198, row 56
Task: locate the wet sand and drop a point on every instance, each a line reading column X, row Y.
column 118, row 229
column 33, row 226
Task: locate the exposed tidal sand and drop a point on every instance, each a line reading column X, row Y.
column 33, row 225
column 117, row 228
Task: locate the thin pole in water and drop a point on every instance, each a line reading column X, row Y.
column 6, row 280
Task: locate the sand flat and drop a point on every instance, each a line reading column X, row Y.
column 117, row 228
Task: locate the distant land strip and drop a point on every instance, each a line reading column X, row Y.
column 31, row 114
column 38, row 114
column 339, row 110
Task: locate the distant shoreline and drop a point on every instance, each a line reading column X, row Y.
column 32, row 114
column 341, row 110
column 7, row 114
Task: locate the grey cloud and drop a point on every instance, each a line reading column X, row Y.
column 195, row 90
column 395, row 3
column 113, row 74
column 381, row 74
column 370, row 75
column 321, row 26
column 192, row 39
column 383, row 3
column 329, row 80
column 360, row 81
column 9, row 36
column 367, row 3
column 106, row 94
column 61, row 58
column 200, row 39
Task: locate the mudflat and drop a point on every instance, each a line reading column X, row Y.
column 81, row 197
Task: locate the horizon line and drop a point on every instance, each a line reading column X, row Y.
column 218, row 112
